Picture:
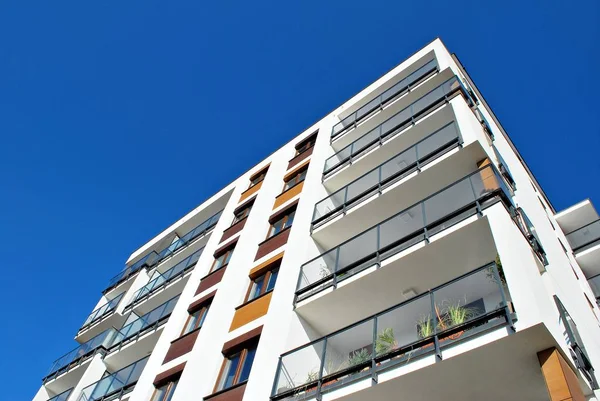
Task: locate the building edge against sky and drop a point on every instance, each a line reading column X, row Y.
column 399, row 248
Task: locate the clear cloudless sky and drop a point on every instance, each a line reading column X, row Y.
column 117, row 118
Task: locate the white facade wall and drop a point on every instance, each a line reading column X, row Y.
column 531, row 285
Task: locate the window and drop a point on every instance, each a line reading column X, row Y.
column 282, row 223
column 165, row 392
column 222, row 260
column 295, row 179
column 236, row 367
column 306, row 144
column 196, row 319
column 262, row 284
column 241, row 214
column 258, row 177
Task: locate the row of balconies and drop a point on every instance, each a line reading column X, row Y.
column 408, row 257
column 118, row 336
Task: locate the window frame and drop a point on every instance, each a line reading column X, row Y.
column 227, row 253
column 285, row 219
column 171, row 386
column 265, row 284
column 258, row 177
column 223, row 372
column 204, row 308
column 302, row 146
column 245, row 212
column 301, row 172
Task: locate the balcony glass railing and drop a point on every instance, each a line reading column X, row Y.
column 595, row 285
column 80, row 353
column 159, row 280
column 417, row 223
column 393, row 170
column 585, row 237
column 62, row 396
column 102, row 311
column 153, row 258
column 154, row 318
column 381, row 101
column 424, row 325
column 201, row 229
column 114, row 385
column 394, row 124
column 129, row 271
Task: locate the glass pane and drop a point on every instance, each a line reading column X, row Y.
column 229, row 372
column 272, row 279
column 245, row 372
column 464, row 300
column 300, row 368
column 256, row 287
column 404, row 326
column 349, row 349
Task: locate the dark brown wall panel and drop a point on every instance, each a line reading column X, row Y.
column 169, row 375
column 197, row 304
column 234, row 229
column 302, row 156
column 272, row 243
column 210, row 280
column 231, row 345
column 233, row 394
column 181, row 346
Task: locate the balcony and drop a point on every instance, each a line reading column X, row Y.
column 62, row 396
column 160, row 281
column 136, row 330
column 80, row 355
column 399, row 122
column 382, row 101
column 399, row 167
column 585, row 242
column 416, row 224
column 100, row 315
column 154, row 258
column 131, row 271
column 115, row 385
column 382, row 347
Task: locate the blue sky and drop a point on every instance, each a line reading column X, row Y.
column 116, row 118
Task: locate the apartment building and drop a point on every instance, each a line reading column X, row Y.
column 398, row 249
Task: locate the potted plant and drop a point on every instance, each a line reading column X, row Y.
column 492, row 276
column 386, row 342
column 425, row 326
column 454, row 314
column 359, row 357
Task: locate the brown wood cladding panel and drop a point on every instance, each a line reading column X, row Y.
column 251, row 311
column 298, row 158
column 197, row 304
column 231, row 345
column 252, row 190
column 210, row 280
column 287, row 195
column 169, row 375
column 234, row 229
column 234, row 394
column 272, row 243
column 181, row 346
column 560, row 379
column 264, row 266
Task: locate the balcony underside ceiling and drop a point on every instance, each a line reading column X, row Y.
column 416, row 270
